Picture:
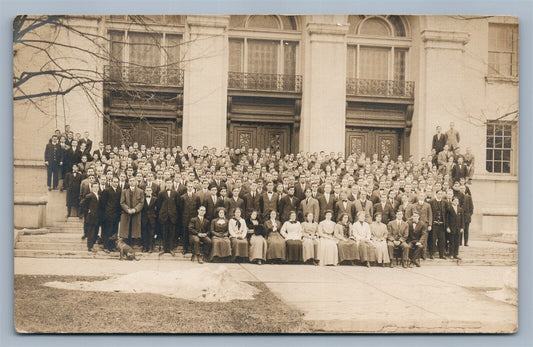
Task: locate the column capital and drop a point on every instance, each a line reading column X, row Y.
column 444, row 39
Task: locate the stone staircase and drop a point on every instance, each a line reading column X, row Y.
column 63, row 240
column 489, row 253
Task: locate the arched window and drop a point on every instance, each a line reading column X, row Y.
column 375, row 27
column 263, row 22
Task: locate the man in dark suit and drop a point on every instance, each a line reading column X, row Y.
column 326, row 202
column 212, row 203
column 148, row 220
column 287, row 204
column 344, row 206
column 454, row 226
column 439, row 140
column 168, row 215
column 417, row 238
column 53, row 159
column 251, row 200
column 234, row 202
column 198, row 232
column 111, row 205
column 438, row 229
column 268, row 201
column 397, row 237
column 188, row 206
column 385, row 208
column 299, row 188
column 468, row 210
column 91, row 204
column 459, row 170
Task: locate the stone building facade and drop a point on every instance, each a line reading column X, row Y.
column 344, row 83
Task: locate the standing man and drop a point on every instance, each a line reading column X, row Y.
column 268, row 201
column 452, row 137
column 53, row 159
column 91, row 204
column 326, row 202
column 111, row 204
column 459, row 170
column 470, row 163
column 438, row 229
column 213, row 202
column 362, row 204
column 439, row 140
column 455, row 226
column 131, row 201
column 73, row 183
column 168, row 216
column 287, row 204
column 468, row 210
column 189, row 203
column 234, row 202
column 198, row 230
column 309, row 204
column 148, row 220
column 251, row 200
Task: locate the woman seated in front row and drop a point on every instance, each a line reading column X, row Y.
column 348, row 251
column 238, row 231
column 327, row 244
column 292, row 232
column 310, row 239
column 221, row 245
column 362, row 234
column 276, row 243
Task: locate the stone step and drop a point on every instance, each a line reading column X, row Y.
column 488, row 262
column 79, row 254
column 66, row 230
column 63, row 246
column 51, row 237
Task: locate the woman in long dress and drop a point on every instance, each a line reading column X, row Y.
column 276, row 243
column 361, row 233
column 258, row 245
column 346, row 244
column 292, row 232
column 379, row 240
column 238, row 232
column 310, row 239
column 221, row 245
column 327, row 244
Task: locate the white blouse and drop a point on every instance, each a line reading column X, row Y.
column 291, row 231
column 361, row 232
column 237, row 232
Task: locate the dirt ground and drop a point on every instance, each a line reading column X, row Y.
column 40, row 309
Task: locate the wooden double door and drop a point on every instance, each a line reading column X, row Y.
column 262, row 136
column 373, row 140
column 148, row 131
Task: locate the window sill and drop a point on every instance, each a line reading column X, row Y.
column 496, row 177
column 501, row 79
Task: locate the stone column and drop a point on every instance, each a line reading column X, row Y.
column 323, row 116
column 206, row 74
column 439, row 93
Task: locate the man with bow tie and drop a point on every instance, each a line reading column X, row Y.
column 417, row 238
column 168, row 216
column 148, row 220
column 397, row 237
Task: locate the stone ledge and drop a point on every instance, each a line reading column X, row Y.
column 495, row 177
column 493, row 211
column 327, row 28
column 501, row 79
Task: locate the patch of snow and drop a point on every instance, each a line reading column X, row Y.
column 509, row 292
column 194, row 284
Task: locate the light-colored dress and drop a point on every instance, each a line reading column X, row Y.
column 362, row 234
column 347, row 247
column 221, row 246
column 276, row 243
column 238, row 231
column 327, row 244
column 310, row 240
column 379, row 240
column 292, row 232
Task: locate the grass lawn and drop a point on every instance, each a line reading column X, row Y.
column 40, row 309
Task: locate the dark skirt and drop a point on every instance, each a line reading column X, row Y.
column 239, row 248
column 348, row 250
column 276, row 246
column 294, row 251
column 221, row 247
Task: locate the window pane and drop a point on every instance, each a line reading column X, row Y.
column 489, row 154
column 503, row 49
column 172, row 50
column 263, row 56
column 399, row 28
column 375, row 27
column 490, row 142
column 497, row 166
column 498, row 142
column 351, row 62
column 507, row 130
column 174, row 19
column 507, row 142
column 489, row 166
column 506, row 167
column 498, row 130
column 374, row 63
column 399, row 64
column 235, row 55
column 289, row 49
column 507, row 155
column 145, row 49
column 117, row 46
column 497, row 155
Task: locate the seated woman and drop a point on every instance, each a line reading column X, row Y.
column 346, row 244
column 378, row 231
column 258, row 245
column 362, row 234
column 252, row 222
column 327, row 244
column 238, row 232
column 292, row 232
column 276, row 243
column 310, row 239
column 221, row 245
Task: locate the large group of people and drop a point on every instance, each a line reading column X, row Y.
column 259, row 205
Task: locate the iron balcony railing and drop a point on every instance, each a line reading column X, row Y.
column 264, row 82
column 164, row 76
column 385, row 88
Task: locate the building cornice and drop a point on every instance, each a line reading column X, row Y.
column 327, row 28
column 210, row 21
column 443, row 39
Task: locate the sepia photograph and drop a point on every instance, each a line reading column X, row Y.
column 265, row 174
